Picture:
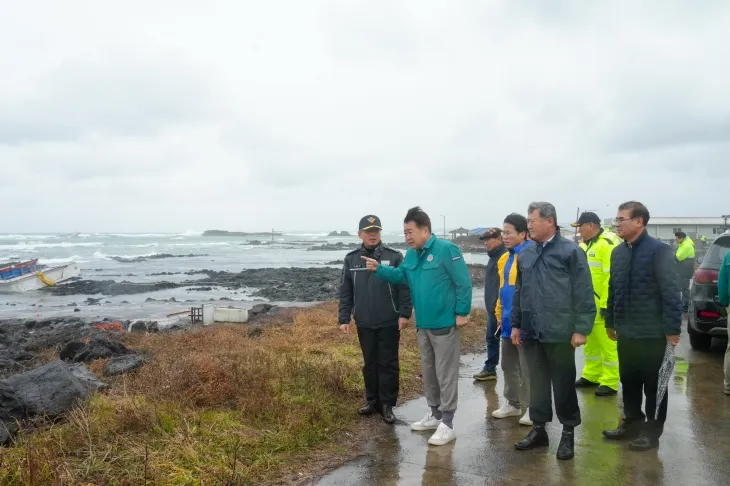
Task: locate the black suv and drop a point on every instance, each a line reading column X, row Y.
column 707, row 318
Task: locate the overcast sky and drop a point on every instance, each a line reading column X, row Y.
column 306, row 115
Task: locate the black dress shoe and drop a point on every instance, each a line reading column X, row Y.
column 623, row 432
column 605, row 391
column 583, row 383
column 565, row 449
column 536, row 438
column 644, row 443
column 368, row 409
column 388, row 415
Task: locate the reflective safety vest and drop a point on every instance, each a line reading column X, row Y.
column 598, row 250
column 616, row 238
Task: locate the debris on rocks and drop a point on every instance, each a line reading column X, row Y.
column 96, row 348
column 122, row 364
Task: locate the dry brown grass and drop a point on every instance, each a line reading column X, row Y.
column 214, row 406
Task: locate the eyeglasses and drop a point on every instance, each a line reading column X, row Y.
column 621, row 220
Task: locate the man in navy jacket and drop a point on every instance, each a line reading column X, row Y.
column 553, row 310
column 644, row 314
column 495, row 249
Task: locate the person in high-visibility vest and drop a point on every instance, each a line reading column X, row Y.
column 608, row 233
column 601, row 366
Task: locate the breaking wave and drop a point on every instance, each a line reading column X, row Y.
column 58, row 261
column 210, row 243
column 27, row 237
column 139, row 235
column 32, row 245
column 102, row 256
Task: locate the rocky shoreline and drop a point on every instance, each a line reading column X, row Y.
column 45, row 354
column 293, row 284
column 156, row 256
column 41, row 371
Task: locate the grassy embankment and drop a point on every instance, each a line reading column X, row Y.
column 217, row 406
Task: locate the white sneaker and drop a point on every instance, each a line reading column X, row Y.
column 525, row 420
column 442, row 436
column 426, row 423
column 507, row 410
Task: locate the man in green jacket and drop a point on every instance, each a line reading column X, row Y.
column 723, row 293
column 441, row 291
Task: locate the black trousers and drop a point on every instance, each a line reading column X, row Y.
column 381, row 369
column 552, row 368
column 639, row 361
column 684, row 285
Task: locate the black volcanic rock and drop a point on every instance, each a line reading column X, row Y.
column 157, row 256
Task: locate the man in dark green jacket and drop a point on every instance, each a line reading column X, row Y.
column 441, row 292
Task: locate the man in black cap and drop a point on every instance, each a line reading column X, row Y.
column 381, row 310
column 601, row 370
column 492, row 238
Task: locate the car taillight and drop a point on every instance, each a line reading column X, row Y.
column 708, row 314
column 704, row 276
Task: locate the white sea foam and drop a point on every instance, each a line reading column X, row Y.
column 58, row 261
column 26, row 237
column 34, row 245
column 139, row 235
column 209, row 243
column 100, row 255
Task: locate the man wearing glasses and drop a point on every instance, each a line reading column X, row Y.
column 644, row 313
column 514, row 361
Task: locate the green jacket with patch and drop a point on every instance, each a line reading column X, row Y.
column 439, row 281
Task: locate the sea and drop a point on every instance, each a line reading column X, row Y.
column 95, row 254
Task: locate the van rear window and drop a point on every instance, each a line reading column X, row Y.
column 716, row 253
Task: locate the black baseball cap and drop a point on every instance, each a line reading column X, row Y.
column 370, row 222
column 587, row 217
column 490, row 233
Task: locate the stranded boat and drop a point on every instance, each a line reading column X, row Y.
column 24, row 276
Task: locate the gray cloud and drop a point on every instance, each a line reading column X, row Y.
column 117, row 95
column 172, row 115
column 664, row 124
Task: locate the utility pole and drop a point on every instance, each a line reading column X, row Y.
column 725, row 217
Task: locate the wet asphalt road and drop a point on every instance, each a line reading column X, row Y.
column 694, row 450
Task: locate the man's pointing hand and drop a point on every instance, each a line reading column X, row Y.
column 370, row 264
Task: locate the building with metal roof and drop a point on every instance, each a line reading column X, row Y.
column 664, row 228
